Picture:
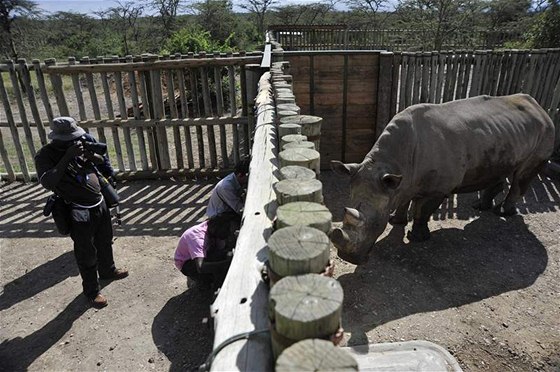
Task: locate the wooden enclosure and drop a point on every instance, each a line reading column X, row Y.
column 358, row 92
column 341, row 37
column 158, row 114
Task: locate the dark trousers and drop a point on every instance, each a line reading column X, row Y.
column 189, row 269
column 92, row 233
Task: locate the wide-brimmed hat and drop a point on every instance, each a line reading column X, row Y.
column 65, row 128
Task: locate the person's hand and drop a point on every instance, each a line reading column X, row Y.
column 77, row 149
column 113, row 181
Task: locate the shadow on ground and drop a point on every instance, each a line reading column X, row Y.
column 37, row 280
column 19, row 353
column 178, row 330
column 153, row 208
column 454, row 268
column 543, row 196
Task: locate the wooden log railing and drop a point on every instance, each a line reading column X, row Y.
column 241, row 306
column 159, row 114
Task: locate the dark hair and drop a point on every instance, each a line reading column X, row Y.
column 242, row 166
column 221, row 225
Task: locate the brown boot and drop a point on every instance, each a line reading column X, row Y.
column 115, row 275
column 99, row 301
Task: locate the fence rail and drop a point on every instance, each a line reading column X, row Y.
column 176, row 114
column 156, row 113
column 300, row 38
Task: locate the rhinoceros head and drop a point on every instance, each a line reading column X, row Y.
column 372, row 190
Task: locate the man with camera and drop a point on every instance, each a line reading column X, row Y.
column 69, row 166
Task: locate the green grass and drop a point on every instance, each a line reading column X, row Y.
column 6, row 79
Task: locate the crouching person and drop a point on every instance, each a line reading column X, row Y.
column 204, row 251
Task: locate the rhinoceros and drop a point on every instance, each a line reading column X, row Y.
column 429, row 151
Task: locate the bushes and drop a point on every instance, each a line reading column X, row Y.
column 194, row 40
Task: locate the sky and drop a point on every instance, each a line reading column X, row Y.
column 89, row 7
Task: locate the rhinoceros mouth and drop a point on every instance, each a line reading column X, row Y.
column 344, row 243
column 352, row 258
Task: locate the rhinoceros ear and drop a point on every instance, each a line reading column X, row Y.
column 345, row 169
column 391, row 181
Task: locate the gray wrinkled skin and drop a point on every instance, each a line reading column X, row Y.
column 430, row 151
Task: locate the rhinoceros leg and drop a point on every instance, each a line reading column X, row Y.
column 423, row 209
column 486, row 200
column 400, row 216
column 519, row 185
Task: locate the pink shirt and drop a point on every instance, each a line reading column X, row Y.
column 191, row 245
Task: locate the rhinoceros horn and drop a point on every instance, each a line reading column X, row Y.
column 353, row 217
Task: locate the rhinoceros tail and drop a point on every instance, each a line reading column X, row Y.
column 556, row 153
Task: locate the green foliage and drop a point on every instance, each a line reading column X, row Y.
column 194, row 39
column 505, row 14
column 545, row 32
column 12, row 37
column 306, row 14
column 212, row 25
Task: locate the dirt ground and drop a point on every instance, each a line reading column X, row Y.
column 485, row 288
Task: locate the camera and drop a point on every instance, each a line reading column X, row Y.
column 95, row 147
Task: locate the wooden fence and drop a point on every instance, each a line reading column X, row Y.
column 160, row 115
column 358, row 92
column 340, row 37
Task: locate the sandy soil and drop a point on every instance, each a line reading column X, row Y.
column 485, row 288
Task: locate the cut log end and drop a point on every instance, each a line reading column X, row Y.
column 306, row 306
column 315, row 355
column 296, row 172
column 298, row 250
column 288, row 191
column 304, row 213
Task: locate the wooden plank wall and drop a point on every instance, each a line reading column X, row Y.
column 342, row 89
column 357, row 93
column 156, row 113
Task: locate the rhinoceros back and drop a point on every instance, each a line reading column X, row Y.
column 465, row 145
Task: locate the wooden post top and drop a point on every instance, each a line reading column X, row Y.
column 306, row 306
column 315, row 355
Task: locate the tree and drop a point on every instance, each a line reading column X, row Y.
column 370, row 10
column 79, row 35
column 124, row 18
column 217, row 17
column 503, row 13
column 259, row 9
column 167, row 13
column 306, row 14
column 438, row 18
column 10, row 10
column 546, row 31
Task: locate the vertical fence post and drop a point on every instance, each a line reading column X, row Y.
column 6, row 160
column 58, row 89
column 253, row 74
column 14, row 130
column 43, row 89
column 23, row 115
column 26, row 77
column 384, row 92
column 78, row 90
